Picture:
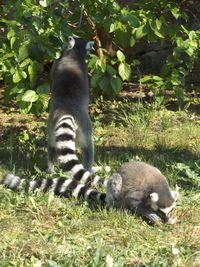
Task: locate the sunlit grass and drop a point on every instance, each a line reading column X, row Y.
column 43, row 230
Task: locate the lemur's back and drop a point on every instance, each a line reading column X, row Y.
column 69, row 120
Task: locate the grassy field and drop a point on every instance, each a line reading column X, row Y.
column 43, row 230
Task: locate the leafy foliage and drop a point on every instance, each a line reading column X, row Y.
column 32, row 34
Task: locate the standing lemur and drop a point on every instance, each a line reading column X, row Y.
column 69, row 122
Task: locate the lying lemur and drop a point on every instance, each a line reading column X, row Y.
column 137, row 186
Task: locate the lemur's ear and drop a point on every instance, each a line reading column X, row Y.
column 154, row 197
column 71, row 42
column 89, row 45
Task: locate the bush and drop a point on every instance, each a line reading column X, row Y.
column 33, row 32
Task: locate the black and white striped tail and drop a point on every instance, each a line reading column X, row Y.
column 65, row 134
column 59, row 186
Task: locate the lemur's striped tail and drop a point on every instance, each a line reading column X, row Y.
column 65, row 135
column 59, row 186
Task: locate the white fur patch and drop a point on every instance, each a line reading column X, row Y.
column 175, row 195
column 96, row 180
column 32, row 185
column 154, row 197
column 95, row 169
column 85, row 177
column 62, row 131
column 66, row 144
column 54, row 184
column 69, row 120
column 66, row 117
column 43, row 184
column 11, row 180
column 168, row 209
column 77, row 190
column 71, row 43
column 65, row 185
column 67, row 158
column 15, row 181
column 77, row 168
column 105, row 183
column 87, row 194
column 89, row 45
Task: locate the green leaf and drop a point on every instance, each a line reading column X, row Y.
column 122, row 38
column 25, row 63
column 111, row 70
column 25, row 106
column 132, row 41
column 101, row 62
column 44, row 99
column 10, row 34
column 17, row 76
column 175, row 12
column 134, row 21
column 23, row 74
column 12, row 41
column 155, row 26
column 141, row 32
column 112, row 27
column 16, row 90
column 43, row 89
column 124, row 71
column 104, row 83
column 157, row 33
column 146, row 78
column 29, row 96
column 120, row 56
column 23, row 52
column 32, row 71
column 95, row 80
column 158, row 24
column 116, row 84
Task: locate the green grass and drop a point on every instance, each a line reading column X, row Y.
column 43, row 230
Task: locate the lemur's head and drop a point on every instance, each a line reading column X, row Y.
column 77, row 44
column 163, row 207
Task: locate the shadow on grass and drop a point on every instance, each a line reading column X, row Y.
column 21, row 153
column 162, row 157
column 21, row 149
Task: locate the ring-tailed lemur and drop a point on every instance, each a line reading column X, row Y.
column 69, row 122
column 137, row 186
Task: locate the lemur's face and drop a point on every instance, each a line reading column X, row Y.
column 164, row 212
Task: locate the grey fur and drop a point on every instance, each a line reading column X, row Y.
column 132, row 187
column 70, row 97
